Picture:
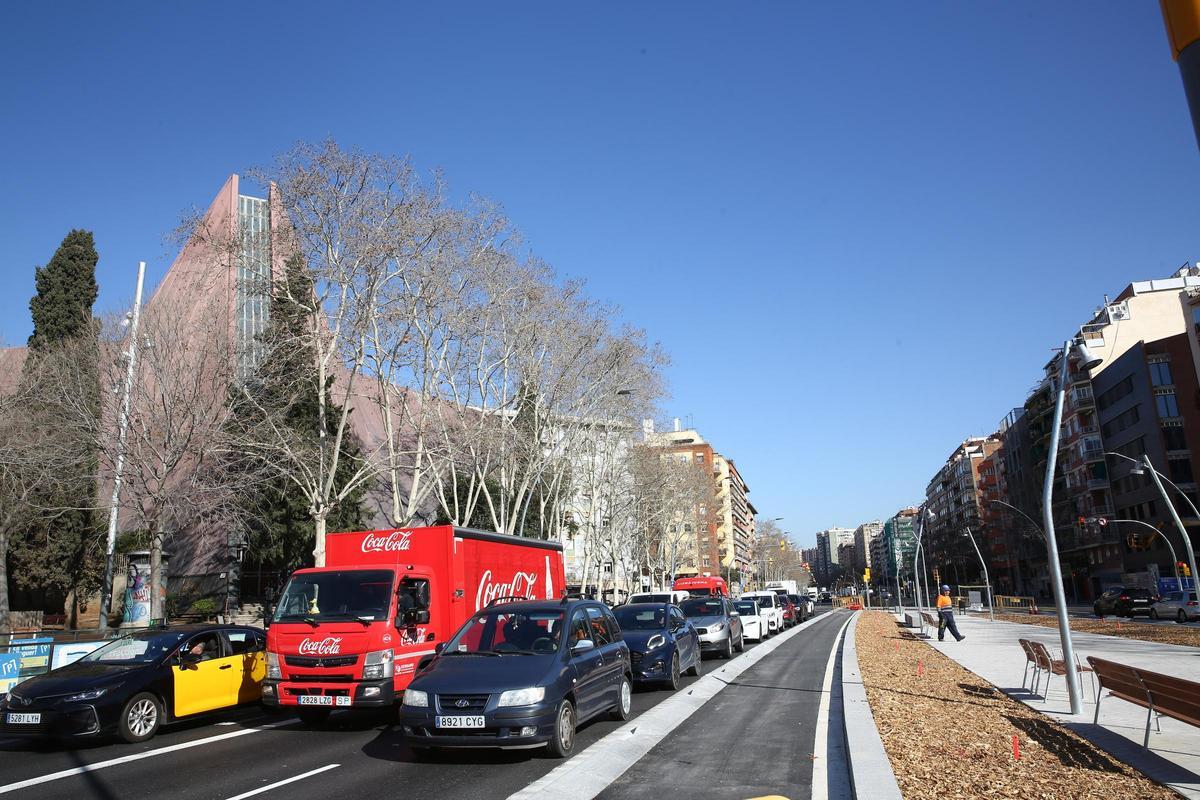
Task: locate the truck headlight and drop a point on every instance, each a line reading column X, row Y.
column 378, row 664
column 416, row 698
column 273, row 667
column 522, row 697
column 657, row 640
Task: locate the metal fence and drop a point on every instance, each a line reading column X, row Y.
column 1008, row 602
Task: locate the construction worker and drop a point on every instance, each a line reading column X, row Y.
column 945, row 607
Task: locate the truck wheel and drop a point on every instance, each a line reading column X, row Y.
column 620, row 712
column 140, row 718
column 563, row 741
column 313, row 716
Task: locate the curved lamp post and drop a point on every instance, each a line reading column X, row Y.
column 986, row 579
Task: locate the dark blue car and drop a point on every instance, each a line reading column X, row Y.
column 521, row 674
column 662, row 643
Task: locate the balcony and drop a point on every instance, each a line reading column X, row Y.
column 1083, row 398
column 1097, row 483
column 1092, row 453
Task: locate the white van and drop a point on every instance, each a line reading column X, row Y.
column 664, row 596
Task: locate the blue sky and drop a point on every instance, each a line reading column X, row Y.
column 857, row 228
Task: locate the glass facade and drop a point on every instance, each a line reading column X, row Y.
column 253, row 283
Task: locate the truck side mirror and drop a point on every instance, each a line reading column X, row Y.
column 413, row 617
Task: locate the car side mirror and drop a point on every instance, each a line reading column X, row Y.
column 582, row 646
column 734, row 614
column 188, row 660
column 439, row 647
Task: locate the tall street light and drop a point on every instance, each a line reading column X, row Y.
column 1143, row 466
column 1087, row 361
column 987, row 581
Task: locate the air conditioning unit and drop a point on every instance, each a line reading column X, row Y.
column 1118, row 312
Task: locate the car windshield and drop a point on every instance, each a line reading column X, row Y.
column 143, row 647
column 362, row 594
column 746, row 607
column 701, row 607
column 699, row 591
column 499, row 632
column 765, row 601
column 641, row 618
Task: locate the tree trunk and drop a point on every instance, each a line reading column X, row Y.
column 319, row 543
column 3, row 581
column 156, row 543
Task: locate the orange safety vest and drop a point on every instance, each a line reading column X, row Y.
column 944, row 602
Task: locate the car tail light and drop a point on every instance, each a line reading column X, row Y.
column 1124, row 597
column 1192, row 603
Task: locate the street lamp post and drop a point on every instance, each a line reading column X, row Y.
column 987, row 581
column 1087, row 362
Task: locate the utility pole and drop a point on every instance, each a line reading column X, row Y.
column 122, row 427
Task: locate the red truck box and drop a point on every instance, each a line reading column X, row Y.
column 351, row 634
column 701, row 585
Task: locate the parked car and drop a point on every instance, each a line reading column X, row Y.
column 137, row 683
column 754, row 622
column 804, row 604
column 664, row 596
column 519, row 674
column 1124, row 601
column 772, row 609
column 718, row 624
column 791, row 614
column 1172, row 605
column 662, row 643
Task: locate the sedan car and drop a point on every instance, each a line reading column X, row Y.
column 1124, row 601
column 662, row 643
column 137, row 683
column 754, row 624
column 1172, row 605
column 519, row 675
column 719, row 625
column 771, row 608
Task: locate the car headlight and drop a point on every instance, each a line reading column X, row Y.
column 415, row 698
column 657, row 640
column 522, row 697
column 720, row 626
column 378, row 664
column 273, row 671
column 90, row 694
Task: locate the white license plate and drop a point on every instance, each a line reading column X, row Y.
column 315, row 700
column 24, row 719
column 459, row 722
column 341, row 700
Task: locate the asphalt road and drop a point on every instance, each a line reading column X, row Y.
column 250, row 753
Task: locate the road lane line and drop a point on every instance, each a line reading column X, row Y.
column 591, row 771
column 285, row 782
column 67, row 773
column 820, row 770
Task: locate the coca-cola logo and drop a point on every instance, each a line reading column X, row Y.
column 330, row 645
column 522, row 584
column 394, row 542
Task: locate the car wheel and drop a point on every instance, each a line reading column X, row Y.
column 741, row 643
column 563, row 741
column 1154, row 613
column 673, row 680
column 620, row 712
column 313, row 716
column 140, row 718
column 1097, row 612
column 695, row 670
column 727, row 653
column 1181, row 617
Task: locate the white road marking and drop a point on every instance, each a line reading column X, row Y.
column 590, row 772
column 285, row 781
column 66, row 773
column 820, row 772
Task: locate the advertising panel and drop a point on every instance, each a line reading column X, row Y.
column 69, row 652
column 10, row 671
column 34, row 655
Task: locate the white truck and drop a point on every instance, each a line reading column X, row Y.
column 783, row 587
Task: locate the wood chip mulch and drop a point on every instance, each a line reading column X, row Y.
column 949, row 733
column 1112, row 626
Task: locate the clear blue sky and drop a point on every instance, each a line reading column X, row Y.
column 857, row 228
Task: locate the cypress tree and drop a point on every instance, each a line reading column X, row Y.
column 66, row 292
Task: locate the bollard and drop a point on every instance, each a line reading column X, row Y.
column 1016, row 748
column 920, row 667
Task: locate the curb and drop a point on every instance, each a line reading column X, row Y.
column 871, row 775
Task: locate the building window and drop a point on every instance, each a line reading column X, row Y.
column 1133, row 449
column 1181, row 470
column 1121, row 421
column 1167, row 406
column 699, row 458
column 1122, row 389
column 1160, row 373
column 253, row 300
column 1173, row 437
column 707, row 561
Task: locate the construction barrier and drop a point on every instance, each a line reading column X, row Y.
column 1007, row 602
column 854, row 601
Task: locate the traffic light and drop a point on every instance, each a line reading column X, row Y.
column 1185, row 569
column 867, row 575
column 782, row 544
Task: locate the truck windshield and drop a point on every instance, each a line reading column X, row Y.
column 358, row 594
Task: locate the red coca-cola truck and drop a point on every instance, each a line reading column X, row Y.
column 352, row 633
column 702, row 585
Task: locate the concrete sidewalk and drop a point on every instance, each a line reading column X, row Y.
column 990, row 650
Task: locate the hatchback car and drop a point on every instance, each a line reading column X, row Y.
column 772, row 609
column 719, row 625
column 137, row 683
column 754, row 623
column 791, row 614
column 662, row 643
column 803, row 606
column 1172, row 605
column 1124, row 601
column 519, row 675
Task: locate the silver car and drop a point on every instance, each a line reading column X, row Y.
column 717, row 622
column 1173, row 606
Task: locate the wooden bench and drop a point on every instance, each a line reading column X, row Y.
column 1161, row 695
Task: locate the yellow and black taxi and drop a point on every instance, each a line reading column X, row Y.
column 139, row 682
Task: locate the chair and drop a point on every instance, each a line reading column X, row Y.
column 1030, row 660
column 1056, row 666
